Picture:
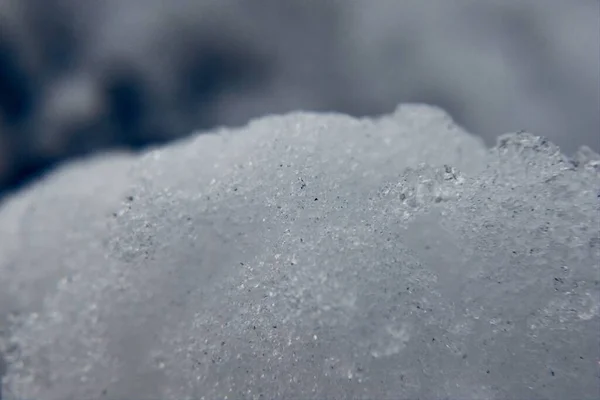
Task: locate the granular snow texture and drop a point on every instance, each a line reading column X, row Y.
column 308, row 256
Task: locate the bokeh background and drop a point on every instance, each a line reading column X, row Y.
column 82, row 76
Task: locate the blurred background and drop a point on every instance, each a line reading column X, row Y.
column 82, row 76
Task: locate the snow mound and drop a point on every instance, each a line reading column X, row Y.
column 308, row 256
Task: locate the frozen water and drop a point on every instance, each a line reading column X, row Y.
column 308, row 256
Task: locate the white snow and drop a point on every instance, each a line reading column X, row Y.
column 308, row 256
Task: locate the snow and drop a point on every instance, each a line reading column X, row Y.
column 308, row 256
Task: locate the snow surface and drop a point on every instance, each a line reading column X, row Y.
column 308, row 256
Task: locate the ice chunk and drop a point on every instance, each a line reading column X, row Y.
column 308, row 256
